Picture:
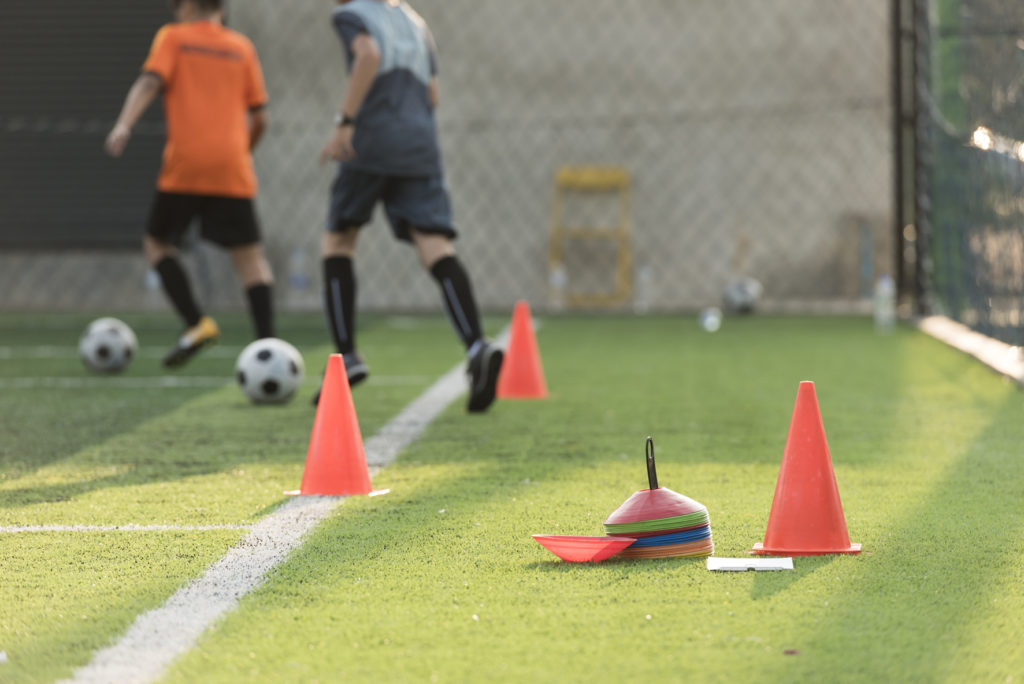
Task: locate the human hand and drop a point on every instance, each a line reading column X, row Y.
column 339, row 147
column 117, row 140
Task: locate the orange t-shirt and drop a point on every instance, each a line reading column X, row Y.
column 212, row 79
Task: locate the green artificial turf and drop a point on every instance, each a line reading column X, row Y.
column 93, row 450
column 65, row 594
column 440, row 581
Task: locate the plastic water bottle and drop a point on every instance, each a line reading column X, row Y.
column 298, row 274
column 885, row 303
column 152, row 287
column 710, row 319
column 300, row 283
column 558, row 279
column 643, row 292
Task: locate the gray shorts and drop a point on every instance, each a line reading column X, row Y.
column 414, row 202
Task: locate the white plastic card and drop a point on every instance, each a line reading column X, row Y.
column 740, row 564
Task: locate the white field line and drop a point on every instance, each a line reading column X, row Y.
column 16, row 529
column 114, row 381
column 44, row 351
column 157, row 637
column 67, row 352
column 171, row 381
column 1001, row 357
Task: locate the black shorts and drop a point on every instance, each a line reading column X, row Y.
column 410, row 202
column 224, row 221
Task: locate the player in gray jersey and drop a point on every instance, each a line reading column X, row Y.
column 385, row 140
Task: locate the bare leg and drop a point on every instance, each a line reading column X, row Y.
column 252, row 266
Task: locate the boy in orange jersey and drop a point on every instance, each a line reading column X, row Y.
column 214, row 99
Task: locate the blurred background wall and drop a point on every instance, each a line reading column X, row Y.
column 756, row 138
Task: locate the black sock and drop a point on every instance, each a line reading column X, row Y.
column 457, row 294
column 178, row 290
column 261, row 309
column 340, row 301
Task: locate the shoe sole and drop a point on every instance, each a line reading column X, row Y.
column 357, row 374
column 179, row 357
column 481, row 400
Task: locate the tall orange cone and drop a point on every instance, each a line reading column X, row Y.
column 336, row 461
column 521, row 375
column 806, row 517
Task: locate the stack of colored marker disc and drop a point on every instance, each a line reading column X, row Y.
column 664, row 523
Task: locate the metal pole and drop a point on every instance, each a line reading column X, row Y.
column 899, row 173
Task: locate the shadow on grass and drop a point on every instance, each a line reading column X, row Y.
column 765, row 585
column 188, row 451
column 45, row 426
column 627, row 566
column 457, row 505
column 484, row 462
column 728, row 397
column 769, row 583
column 920, row 588
column 569, row 428
column 42, row 427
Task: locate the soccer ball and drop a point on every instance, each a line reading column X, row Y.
column 269, row 371
column 108, row 345
column 742, row 295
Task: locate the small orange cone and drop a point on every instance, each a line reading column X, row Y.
column 521, row 375
column 807, row 516
column 335, row 462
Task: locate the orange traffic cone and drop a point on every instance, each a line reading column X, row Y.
column 521, row 375
column 335, row 462
column 806, row 517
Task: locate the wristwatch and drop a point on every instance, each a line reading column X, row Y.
column 344, row 120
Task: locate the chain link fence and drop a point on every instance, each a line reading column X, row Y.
column 973, row 186
column 755, row 139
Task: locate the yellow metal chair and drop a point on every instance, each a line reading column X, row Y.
column 591, row 179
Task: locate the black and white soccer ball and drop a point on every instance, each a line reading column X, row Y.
column 269, row 371
column 742, row 295
column 108, row 345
